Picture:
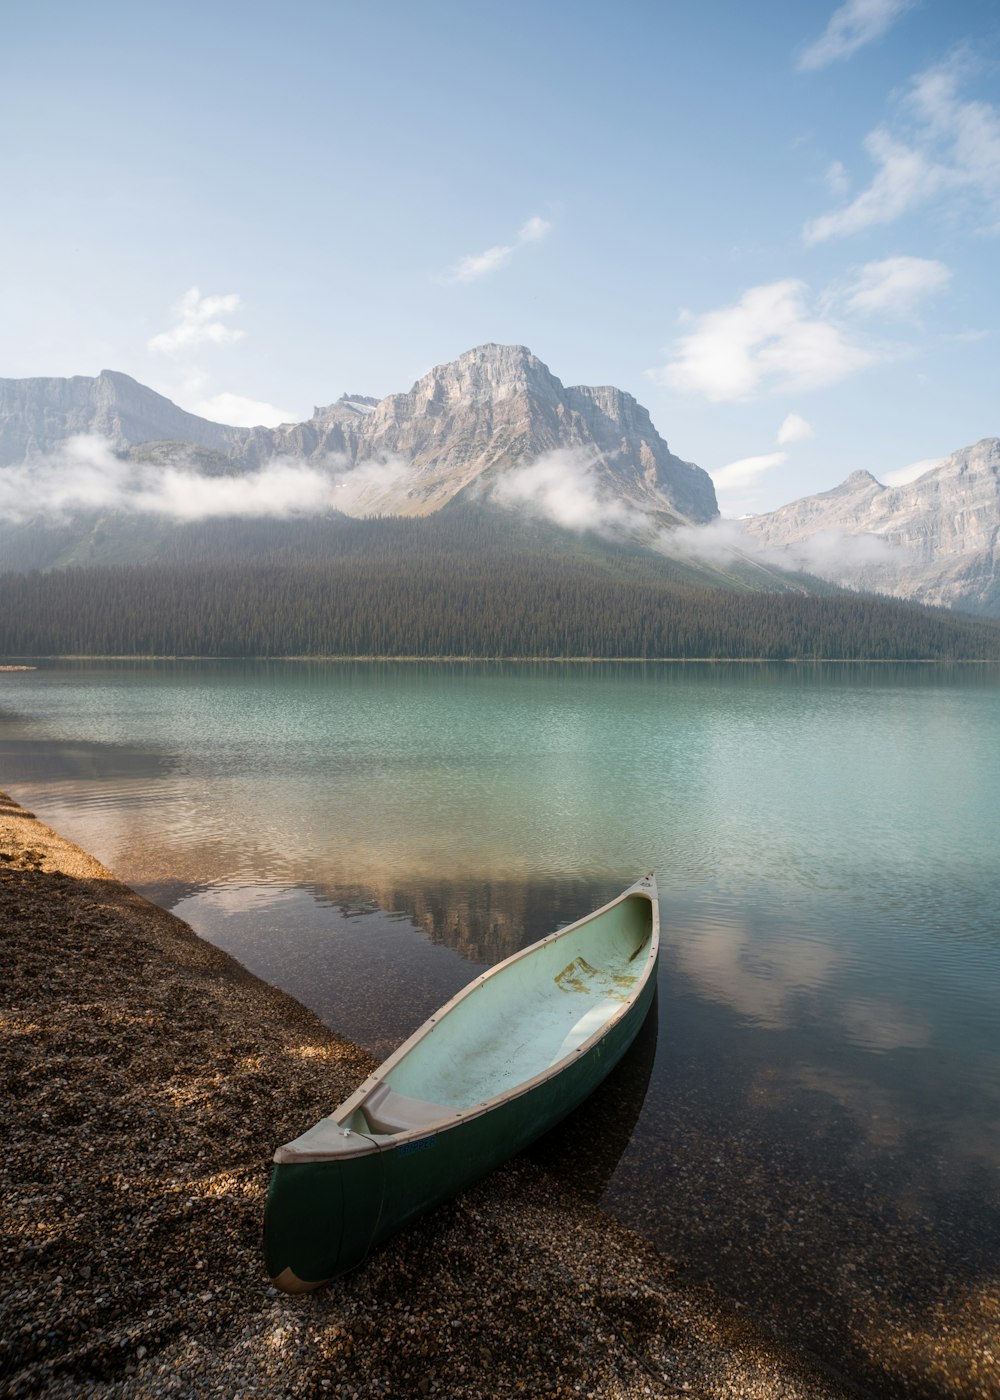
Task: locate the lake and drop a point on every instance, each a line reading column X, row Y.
column 812, row 1118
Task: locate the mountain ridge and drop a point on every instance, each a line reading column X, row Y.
column 36, row 414
column 935, row 540
column 495, row 424
column 493, row 408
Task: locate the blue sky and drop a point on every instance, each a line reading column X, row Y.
column 777, row 225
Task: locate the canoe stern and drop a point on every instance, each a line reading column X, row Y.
column 309, row 1237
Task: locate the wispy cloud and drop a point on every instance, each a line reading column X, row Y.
column 772, row 338
column 894, row 286
column 850, row 28
column 940, row 145
column 86, row 475
column 564, row 486
column 837, row 180
column 721, row 541
column 834, row 554
column 198, row 321
column 475, row 265
column 747, row 470
column 794, row 428
column 906, row 176
column 239, row 411
column 902, row 476
column 831, row 554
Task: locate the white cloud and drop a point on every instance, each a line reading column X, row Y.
column 904, row 475
column 855, row 24
column 906, row 177
column 794, row 429
column 563, row 486
column 837, row 181
column 534, row 230
column 197, row 322
column 943, row 145
column 476, row 265
column 746, row 471
column 192, row 391
column 894, row 285
column 86, row 475
column 719, row 542
column 769, row 339
column 369, row 486
column 240, row 412
column 833, row 554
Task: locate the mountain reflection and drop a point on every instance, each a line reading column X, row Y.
column 586, row 1148
column 483, row 922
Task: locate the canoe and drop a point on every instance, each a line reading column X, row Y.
column 501, row 1063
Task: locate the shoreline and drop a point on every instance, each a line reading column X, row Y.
column 532, row 660
column 154, row 1075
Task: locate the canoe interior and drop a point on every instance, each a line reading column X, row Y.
column 530, row 1013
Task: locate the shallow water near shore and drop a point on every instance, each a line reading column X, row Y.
column 814, row 1119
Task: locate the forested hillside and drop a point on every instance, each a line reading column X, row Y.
column 437, row 603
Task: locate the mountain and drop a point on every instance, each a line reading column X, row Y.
column 495, row 407
column 36, row 415
column 459, row 429
column 935, row 540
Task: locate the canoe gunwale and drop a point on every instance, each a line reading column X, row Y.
column 452, row 1117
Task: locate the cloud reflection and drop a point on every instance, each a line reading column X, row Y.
column 762, row 978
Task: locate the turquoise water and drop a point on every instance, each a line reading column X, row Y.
column 824, row 1079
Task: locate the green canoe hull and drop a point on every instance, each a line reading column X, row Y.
column 324, row 1217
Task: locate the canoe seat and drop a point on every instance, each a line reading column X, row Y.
column 389, row 1112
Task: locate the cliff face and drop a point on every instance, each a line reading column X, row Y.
column 935, row 540
column 460, row 425
column 36, row 415
column 493, row 408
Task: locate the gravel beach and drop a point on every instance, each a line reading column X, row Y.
column 147, row 1079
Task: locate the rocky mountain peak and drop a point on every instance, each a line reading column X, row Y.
column 348, row 406
column 981, row 459
column 486, row 373
column 935, row 539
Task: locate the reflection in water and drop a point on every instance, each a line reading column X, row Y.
column 28, row 760
column 820, row 1132
column 879, row 1024
column 352, row 956
column 825, row 1199
column 760, row 975
column 487, row 921
column 586, row 1148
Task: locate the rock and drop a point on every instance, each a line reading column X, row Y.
column 38, row 414
column 935, row 540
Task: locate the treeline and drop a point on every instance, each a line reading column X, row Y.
column 440, row 603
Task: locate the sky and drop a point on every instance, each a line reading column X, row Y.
column 777, row 225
